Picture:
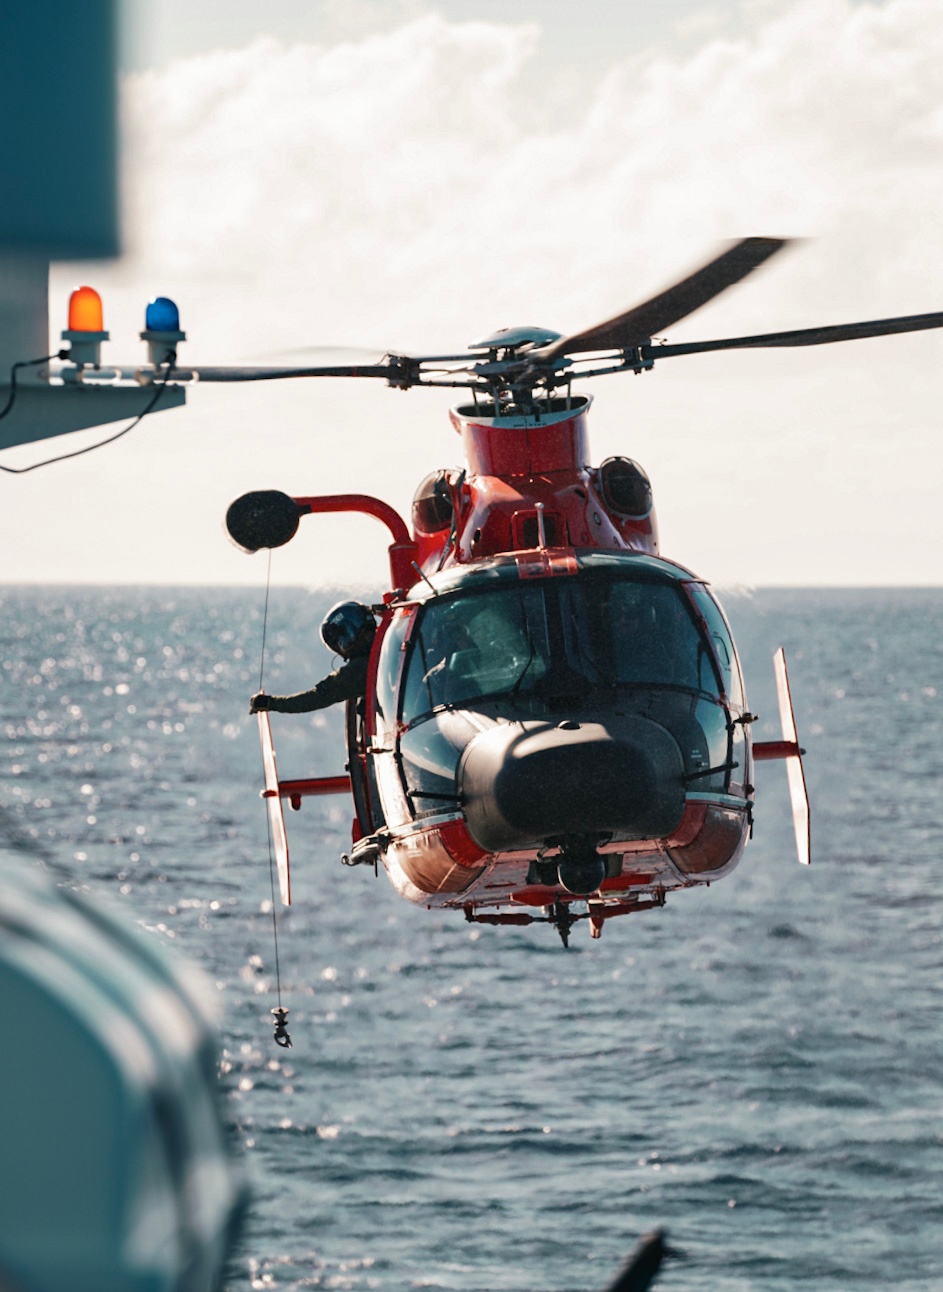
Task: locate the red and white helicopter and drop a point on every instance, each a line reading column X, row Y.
column 555, row 725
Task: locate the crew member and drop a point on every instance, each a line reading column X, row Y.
column 348, row 630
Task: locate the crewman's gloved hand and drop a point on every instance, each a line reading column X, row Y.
column 259, row 703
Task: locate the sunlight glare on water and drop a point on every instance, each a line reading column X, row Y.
column 756, row 1067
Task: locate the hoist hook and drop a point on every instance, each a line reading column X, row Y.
column 281, row 1028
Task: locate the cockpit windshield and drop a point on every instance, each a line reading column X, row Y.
column 485, row 644
column 638, row 633
column 556, row 639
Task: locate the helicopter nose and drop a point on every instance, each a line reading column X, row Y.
column 524, row 782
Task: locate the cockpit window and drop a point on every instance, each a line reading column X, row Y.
column 639, row 633
column 388, row 670
column 553, row 638
column 722, row 641
column 466, row 647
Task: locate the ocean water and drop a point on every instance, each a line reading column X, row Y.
column 756, row 1067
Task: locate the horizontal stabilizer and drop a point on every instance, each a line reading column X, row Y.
column 788, row 749
column 273, row 802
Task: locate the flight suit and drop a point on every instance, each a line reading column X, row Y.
column 348, row 682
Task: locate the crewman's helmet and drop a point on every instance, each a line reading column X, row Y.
column 348, row 628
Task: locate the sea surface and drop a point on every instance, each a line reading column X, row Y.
column 757, row 1067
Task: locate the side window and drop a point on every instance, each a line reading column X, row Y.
column 722, row 642
column 388, row 667
column 416, row 694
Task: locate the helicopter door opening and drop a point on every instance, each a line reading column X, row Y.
column 357, row 764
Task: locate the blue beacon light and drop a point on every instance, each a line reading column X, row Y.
column 162, row 329
column 162, row 315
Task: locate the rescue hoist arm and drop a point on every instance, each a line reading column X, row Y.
column 269, row 518
column 402, row 551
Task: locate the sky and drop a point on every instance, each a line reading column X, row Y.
column 414, row 175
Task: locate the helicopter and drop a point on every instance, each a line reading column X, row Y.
column 555, row 725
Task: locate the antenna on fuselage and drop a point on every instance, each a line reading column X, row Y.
column 425, row 578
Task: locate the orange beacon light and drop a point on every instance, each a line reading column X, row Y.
column 86, row 329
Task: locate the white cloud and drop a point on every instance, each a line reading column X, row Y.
column 409, row 189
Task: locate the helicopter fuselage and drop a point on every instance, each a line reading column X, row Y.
column 554, row 712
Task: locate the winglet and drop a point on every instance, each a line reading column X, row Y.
column 273, row 803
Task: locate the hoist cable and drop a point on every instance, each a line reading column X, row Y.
column 268, row 584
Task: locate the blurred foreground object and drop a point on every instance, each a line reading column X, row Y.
column 59, row 162
column 639, row 1272
column 116, row 1173
column 58, row 152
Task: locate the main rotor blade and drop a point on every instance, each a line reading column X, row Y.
column 804, row 336
column 328, row 353
column 254, row 373
column 638, row 325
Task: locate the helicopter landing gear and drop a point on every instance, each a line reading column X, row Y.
column 561, row 915
column 562, row 918
column 366, row 851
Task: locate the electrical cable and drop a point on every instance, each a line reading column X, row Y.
column 25, row 363
column 89, row 448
